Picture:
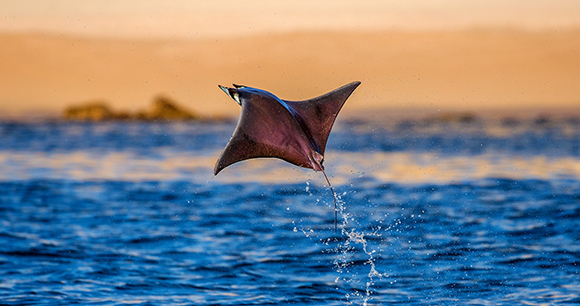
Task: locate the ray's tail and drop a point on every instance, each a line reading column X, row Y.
column 334, row 198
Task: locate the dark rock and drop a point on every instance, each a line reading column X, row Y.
column 461, row 118
column 510, row 122
column 163, row 108
column 542, row 120
column 465, row 118
column 93, row 111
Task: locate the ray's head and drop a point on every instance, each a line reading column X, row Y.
column 233, row 92
column 242, row 94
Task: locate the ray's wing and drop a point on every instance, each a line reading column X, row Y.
column 266, row 129
column 317, row 115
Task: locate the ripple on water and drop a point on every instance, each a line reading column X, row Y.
column 111, row 217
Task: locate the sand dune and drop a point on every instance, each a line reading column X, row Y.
column 448, row 70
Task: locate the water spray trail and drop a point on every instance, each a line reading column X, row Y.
column 348, row 248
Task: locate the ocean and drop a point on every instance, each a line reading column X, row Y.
column 444, row 211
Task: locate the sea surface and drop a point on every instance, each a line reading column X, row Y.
column 444, row 211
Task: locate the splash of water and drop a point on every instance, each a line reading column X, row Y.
column 352, row 241
column 356, row 239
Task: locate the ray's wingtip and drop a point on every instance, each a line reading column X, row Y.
column 350, row 86
column 217, row 169
column 355, row 83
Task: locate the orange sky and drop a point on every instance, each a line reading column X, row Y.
column 410, row 54
column 194, row 19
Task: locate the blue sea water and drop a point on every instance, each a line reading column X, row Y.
column 431, row 213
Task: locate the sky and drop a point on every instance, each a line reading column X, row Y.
column 193, row 19
column 454, row 54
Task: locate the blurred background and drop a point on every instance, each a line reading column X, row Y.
column 456, row 163
column 415, row 55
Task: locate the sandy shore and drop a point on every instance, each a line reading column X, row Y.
column 464, row 70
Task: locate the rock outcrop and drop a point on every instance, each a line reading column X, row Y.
column 162, row 109
column 92, row 111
